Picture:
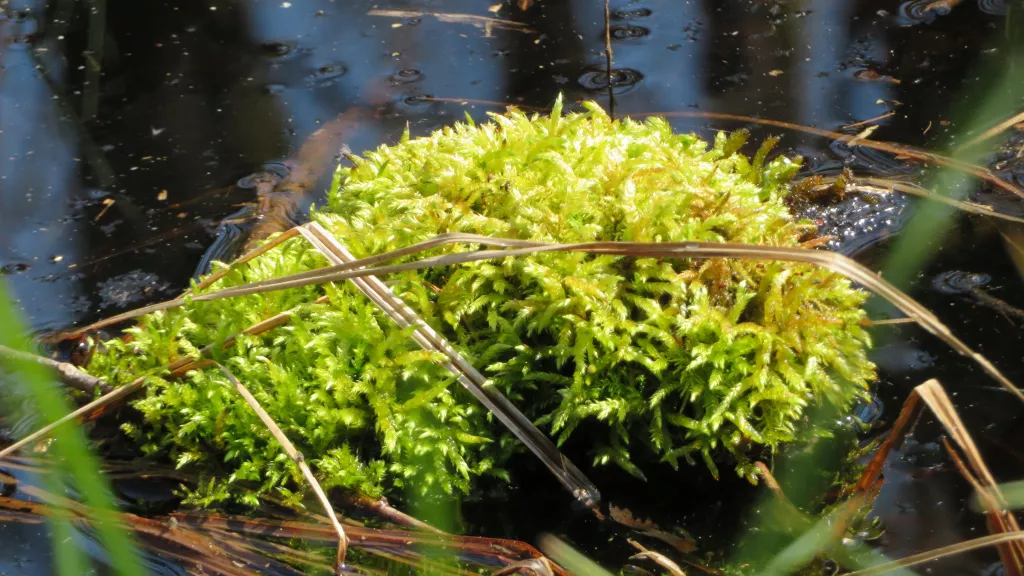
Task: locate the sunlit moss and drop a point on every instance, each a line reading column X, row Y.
column 681, row 359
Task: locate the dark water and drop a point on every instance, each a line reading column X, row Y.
column 124, row 127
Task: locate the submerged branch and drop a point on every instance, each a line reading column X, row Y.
column 69, row 374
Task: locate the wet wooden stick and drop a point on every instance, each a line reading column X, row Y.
column 69, row 374
column 908, row 414
column 386, row 511
column 292, row 453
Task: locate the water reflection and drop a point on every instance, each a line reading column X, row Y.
column 40, row 176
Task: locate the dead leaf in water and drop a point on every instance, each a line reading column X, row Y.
column 862, row 136
column 107, row 203
column 648, row 528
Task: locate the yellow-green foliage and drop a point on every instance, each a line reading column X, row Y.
column 678, row 359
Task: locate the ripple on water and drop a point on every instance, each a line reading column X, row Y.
column 15, row 266
column 271, row 172
column 994, row 7
column 959, row 282
column 628, row 32
column 631, row 14
column 24, row 29
column 870, row 410
column 913, row 12
column 859, row 221
column 622, row 80
column 417, row 101
column 328, row 73
column 406, row 76
column 280, row 49
column 875, row 160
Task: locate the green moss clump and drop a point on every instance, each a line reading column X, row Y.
column 681, row 359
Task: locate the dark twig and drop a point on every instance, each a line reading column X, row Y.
column 69, row 374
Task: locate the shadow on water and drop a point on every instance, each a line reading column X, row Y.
column 128, row 131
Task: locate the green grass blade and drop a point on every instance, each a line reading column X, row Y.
column 76, row 462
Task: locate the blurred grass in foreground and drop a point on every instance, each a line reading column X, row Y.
column 75, row 466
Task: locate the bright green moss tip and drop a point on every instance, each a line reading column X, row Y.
column 681, row 360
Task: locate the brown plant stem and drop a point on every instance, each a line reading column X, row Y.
column 292, row 453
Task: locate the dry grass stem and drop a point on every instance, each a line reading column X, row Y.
column 976, row 472
column 892, row 148
column 538, row 566
column 292, row 453
column 958, row 548
column 863, row 135
column 608, row 57
column 427, row 338
column 831, row 261
column 994, row 131
column 870, row 120
column 886, row 185
column 888, row 321
column 384, row 510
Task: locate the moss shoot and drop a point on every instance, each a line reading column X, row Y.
column 681, row 360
